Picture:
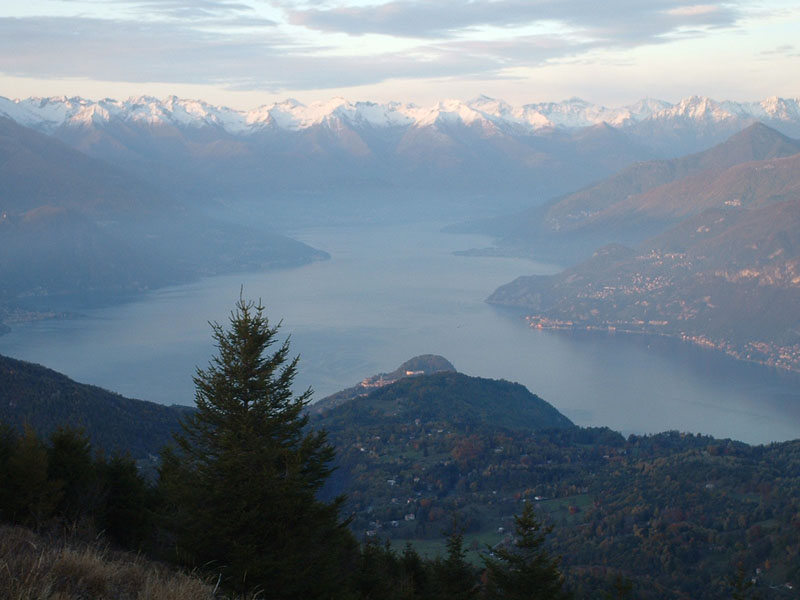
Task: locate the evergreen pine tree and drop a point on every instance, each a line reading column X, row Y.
column 417, row 580
column 455, row 578
column 245, row 474
column 9, row 440
column 525, row 571
column 33, row 496
column 126, row 511
column 70, row 463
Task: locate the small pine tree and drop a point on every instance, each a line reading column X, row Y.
column 70, row 463
column 125, row 514
column 244, row 477
column 454, row 577
column 33, row 496
column 620, row 588
column 415, row 572
column 8, row 446
column 525, row 571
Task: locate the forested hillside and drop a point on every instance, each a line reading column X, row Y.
column 666, row 516
column 45, row 400
column 675, row 514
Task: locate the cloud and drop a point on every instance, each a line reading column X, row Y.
column 230, row 43
column 694, row 10
column 186, row 10
column 116, row 50
column 98, row 49
column 783, row 51
column 612, row 19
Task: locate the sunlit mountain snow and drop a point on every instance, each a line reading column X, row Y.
column 48, row 114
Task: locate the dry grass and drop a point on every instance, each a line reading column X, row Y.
column 32, row 568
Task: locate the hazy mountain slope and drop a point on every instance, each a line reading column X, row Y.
column 647, row 198
column 37, row 170
column 751, row 185
column 45, row 399
column 727, row 278
column 66, row 222
column 757, row 142
column 58, row 251
column 449, row 158
column 71, row 225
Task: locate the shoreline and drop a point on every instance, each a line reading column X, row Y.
column 700, row 341
column 71, row 304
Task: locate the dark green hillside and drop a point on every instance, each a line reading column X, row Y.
column 454, row 398
column 675, row 514
column 45, row 400
column 419, row 447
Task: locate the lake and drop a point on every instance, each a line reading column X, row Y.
column 393, row 292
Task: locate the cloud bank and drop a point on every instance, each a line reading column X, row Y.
column 240, row 44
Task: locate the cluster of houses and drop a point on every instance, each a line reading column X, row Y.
column 377, row 381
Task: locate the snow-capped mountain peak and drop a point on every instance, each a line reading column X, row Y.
column 49, row 114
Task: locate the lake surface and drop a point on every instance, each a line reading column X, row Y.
column 393, row 292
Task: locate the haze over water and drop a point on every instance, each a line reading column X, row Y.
column 393, row 292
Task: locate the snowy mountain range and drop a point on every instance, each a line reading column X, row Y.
column 485, row 156
column 49, row 114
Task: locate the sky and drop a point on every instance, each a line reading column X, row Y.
column 246, row 53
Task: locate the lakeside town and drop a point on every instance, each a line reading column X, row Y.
column 765, row 353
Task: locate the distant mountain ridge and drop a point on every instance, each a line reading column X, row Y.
column 37, row 170
column 76, row 226
column 752, row 168
column 586, row 207
column 485, row 151
column 48, row 114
